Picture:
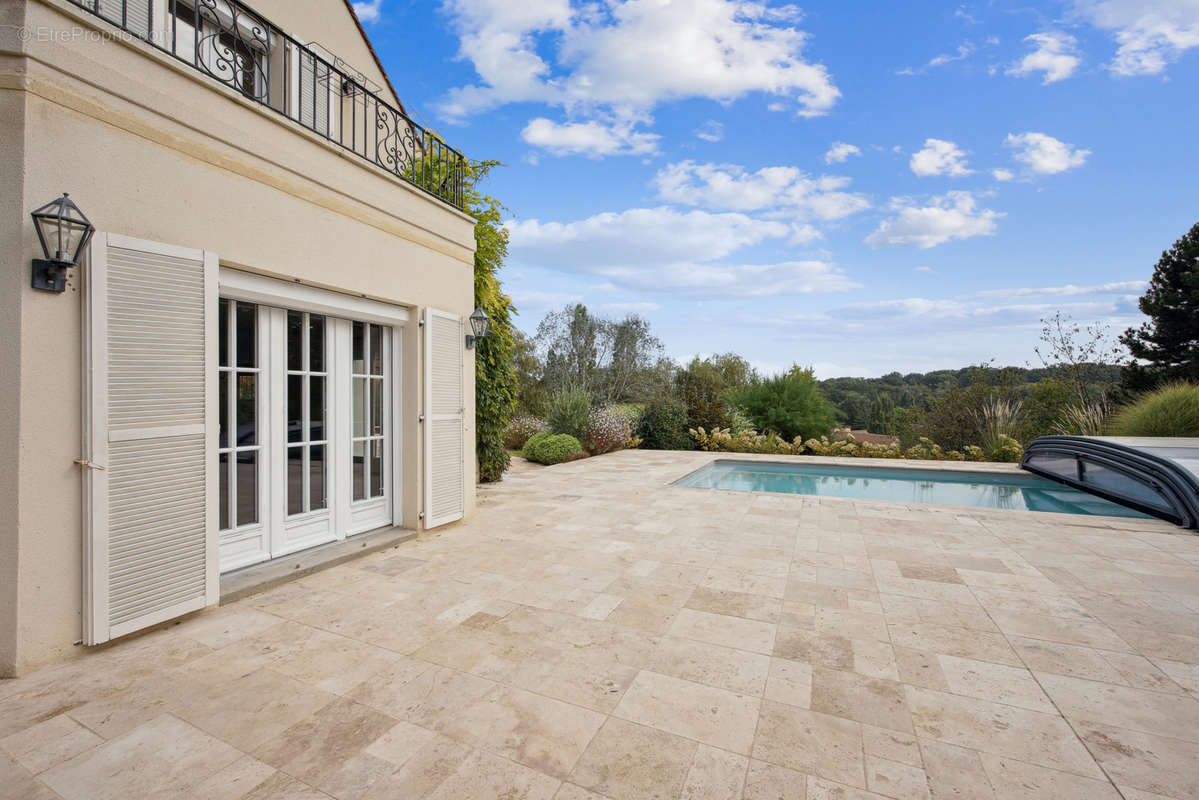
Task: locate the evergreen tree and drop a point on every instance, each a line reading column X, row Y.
column 1169, row 341
column 882, row 415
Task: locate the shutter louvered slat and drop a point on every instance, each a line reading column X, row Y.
column 445, row 434
column 151, row 309
column 151, row 333
column 140, row 531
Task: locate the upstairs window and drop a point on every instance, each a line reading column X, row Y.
column 225, row 41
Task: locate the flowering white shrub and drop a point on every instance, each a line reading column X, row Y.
column 606, row 430
column 520, row 430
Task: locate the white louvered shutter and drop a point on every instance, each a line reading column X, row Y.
column 133, row 15
column 445, row 419
column 150, row 433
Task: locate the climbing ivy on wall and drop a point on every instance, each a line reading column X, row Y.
column 495, row 373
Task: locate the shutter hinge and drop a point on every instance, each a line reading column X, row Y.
column 420, row 323
column 83, row 462
column 421, row 418
column 421, row 515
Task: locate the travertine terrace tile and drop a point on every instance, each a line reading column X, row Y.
column 594, row 633
column 811, row 742
column 704, row 713
column 627, row 761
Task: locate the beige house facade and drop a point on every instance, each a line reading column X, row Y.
column 262, row 349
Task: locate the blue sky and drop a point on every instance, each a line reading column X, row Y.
column 864, row 187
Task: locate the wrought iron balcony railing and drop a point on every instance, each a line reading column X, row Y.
column 241, row 49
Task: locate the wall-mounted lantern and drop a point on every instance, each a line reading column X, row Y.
column 64, row 232
column 480, row 324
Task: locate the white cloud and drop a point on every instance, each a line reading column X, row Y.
column 644, row 236
column 368, row 11
column 667, row 251
column 621, row 309
column 632, row 54
column 535, row 300
column 591, row 138
column 923, row 269
column 1055, row 55
column 940, row 157
column 1001, row 174
column 710, row 131
column 964, row 51
column 944, row 218
column 959, row 326
column 778, row 190
column 1069, row 290
column 1150, row 33
column 840, row 152
column 722, row 281
column 1045, row 155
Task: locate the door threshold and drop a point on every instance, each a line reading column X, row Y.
column 259, row 577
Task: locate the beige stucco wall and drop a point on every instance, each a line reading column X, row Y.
column 150, row 148
column 12, row 168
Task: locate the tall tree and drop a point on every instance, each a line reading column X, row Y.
column 1169, row 341
column 615, row 360
column 531, row 395
column 1080, row 354
column 568, row 344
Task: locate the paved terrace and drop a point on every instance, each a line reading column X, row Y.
column 594, row 633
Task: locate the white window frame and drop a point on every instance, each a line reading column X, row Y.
column 238, row 284
column 306, row 374
column 340, row 310
column 232, row 448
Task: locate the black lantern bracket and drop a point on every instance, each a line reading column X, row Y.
column 63, row 232
column 480, row 325
column 49, row 275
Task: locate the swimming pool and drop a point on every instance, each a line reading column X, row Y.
column 904, row 485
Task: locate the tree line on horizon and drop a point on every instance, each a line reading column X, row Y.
column 1084, row 377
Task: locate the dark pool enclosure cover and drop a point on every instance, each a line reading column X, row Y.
column 1155, row 476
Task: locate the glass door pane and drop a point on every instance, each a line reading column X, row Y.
column 307, row 411
column 239, row 441
column 369, row 467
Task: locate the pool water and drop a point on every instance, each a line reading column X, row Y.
column 897, row 484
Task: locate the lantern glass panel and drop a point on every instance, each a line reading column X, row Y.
column 480, row 323
column 62, row 229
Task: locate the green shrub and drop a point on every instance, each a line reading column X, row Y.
column 701, row 385
column 665, row 426
column 552, row 448
column 533, row 442
column 520, row 430
column 724, row 440
column 739, row 421
column 791, row 405
column 1170, row 411
column 1007, row 450
column 569, row 409
column 1044, row 409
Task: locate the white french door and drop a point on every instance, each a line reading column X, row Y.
column 307, row 449
column 370, row 417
